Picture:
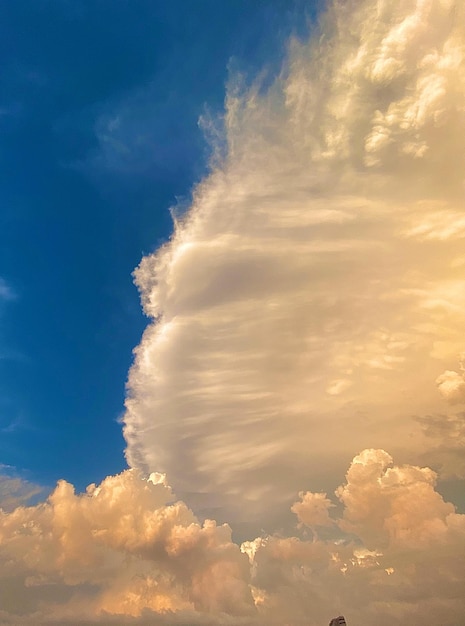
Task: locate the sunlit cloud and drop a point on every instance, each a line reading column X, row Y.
column 311, row 301
column 127, row 551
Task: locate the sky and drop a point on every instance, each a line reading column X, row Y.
column 100, row 113
column 232, row 312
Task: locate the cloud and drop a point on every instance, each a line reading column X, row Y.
column 122, row 548
column 397, row 563
column 451, row 384
column 128, row 552
column 313, row 509
column 15, row 491
column 446, row 433
column 452, row 387
column 394, row 506
column 313, row 293
column 148, row 135
column 6, row 293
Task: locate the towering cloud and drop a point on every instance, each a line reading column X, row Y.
column 312, row 296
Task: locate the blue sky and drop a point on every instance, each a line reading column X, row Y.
column 100, row 104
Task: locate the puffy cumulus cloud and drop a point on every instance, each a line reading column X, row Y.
column 313, row 293
column 445, row 429
column 123, row 548
column 126, row 552
column 451, row 384
column 395, row 506
column 397, row 557
column 313, row 509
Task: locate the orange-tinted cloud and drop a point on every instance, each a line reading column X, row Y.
column 313, row 293
column 128, row 552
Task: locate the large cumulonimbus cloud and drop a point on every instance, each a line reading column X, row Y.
column 313, row 294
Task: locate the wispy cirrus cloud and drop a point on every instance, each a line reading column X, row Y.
column 149, row 134
column 6, row 291
column 14, row 490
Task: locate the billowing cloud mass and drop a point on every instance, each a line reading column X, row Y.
column 310, row 305
column 127, row 552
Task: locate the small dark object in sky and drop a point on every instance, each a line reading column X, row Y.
column 338, row 621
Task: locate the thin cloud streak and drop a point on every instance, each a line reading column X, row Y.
column 15, row 491
column 6, row 292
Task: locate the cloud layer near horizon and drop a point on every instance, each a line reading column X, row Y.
column 126, row 552
column 311, row 301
